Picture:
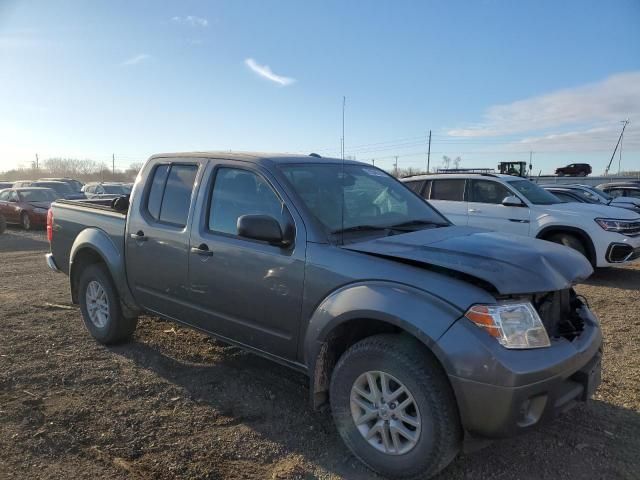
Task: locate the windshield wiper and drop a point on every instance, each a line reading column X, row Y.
column 360, row 228
column 412, row 224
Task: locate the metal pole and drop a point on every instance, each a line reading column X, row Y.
column 624, row 125
column 396, row 165
column 429, row 152
column 113, row 164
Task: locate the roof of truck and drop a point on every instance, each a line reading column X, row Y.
column 256, row 157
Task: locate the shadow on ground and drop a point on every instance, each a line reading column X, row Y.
column 273, row 401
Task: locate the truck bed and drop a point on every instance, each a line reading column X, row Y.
column 72, row 217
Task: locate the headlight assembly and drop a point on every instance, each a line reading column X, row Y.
column 513, row 325
column 626, row 227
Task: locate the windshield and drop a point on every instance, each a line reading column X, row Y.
column 44, row 195
column 113, row 189
column 535, row 194
column 372, row 198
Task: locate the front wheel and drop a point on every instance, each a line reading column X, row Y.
column 25, row 221
column 394, row 408
column 100, row 307
column 573, row 242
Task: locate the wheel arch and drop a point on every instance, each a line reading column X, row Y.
column 358, row 311
column 93, row 246
column 583, row 236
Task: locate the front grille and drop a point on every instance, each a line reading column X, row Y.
column 559, row 313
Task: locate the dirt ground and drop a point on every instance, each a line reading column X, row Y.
column 174, row 403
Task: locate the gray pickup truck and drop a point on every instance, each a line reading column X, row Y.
column 416, row 332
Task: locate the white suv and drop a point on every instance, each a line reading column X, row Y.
column 605, row 235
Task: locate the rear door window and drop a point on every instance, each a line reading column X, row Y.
column 448, row 189
column 169, row 197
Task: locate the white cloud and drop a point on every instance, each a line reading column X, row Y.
column 135, row 60
column 588, row 106
column 191, row 20
column 265, row 72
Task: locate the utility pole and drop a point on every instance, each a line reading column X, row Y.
column 429, row 152
column 37, row 162
column 530, row 161
column 113, row 165
column 396, row 166
column 344, row 102
column 373, row 162
column 624, row 125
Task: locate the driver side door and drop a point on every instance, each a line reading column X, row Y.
column 247, row 290
column 487, row 211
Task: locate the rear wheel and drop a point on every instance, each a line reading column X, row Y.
column 394, row 408
column 100, row 307
column 25, row 221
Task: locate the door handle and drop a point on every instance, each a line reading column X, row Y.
column 139, row 236
column 474, row 210
column 202, row 250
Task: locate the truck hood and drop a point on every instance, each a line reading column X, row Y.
column 511, row 264
column 589, row 209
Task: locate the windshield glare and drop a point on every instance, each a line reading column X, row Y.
column 371, row 197
column 535, row 194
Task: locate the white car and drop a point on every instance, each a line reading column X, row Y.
column 604, row 234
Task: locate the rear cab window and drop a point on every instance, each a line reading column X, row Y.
column 170, row 192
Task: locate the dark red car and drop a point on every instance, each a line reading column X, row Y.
column 26, row 206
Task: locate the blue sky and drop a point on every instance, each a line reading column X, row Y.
column 492, row 79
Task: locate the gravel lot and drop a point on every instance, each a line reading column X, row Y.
column 175, row 404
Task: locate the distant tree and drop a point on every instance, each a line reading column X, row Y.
column 446, row 161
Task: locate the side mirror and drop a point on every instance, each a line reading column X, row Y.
column 264, row 228
column 512, row 201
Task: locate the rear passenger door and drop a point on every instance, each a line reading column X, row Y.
column 157, row 239
column 448, row 196
column 486, row 209
column 243, row 289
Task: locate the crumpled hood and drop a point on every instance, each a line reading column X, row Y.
column 512, row 264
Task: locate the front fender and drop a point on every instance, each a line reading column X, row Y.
column 419, row 313
column 98, row 242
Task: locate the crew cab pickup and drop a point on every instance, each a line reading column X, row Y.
column 416, row 332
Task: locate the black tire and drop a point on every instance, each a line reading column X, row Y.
column 25, row 221
column 117, row 327
column 571, row 241
column 3, row 224
column 417, row 369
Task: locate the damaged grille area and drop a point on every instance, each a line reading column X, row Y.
column 559, row 313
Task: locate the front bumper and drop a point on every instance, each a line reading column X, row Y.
column 503, row 392
column 51, row 263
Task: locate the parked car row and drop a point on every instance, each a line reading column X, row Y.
column 414, row 325
column 604, row 234
column 26, row 206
